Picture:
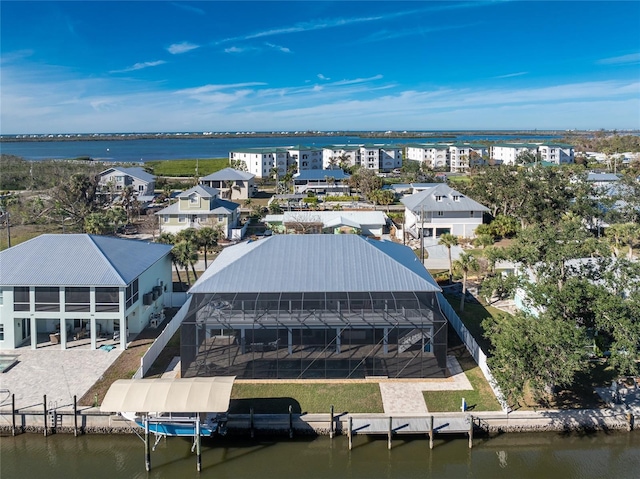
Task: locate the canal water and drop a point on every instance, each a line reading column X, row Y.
column 516, row 455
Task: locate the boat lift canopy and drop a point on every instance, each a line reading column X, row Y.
column 169, row 395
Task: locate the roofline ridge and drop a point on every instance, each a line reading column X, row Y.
column 97, row 247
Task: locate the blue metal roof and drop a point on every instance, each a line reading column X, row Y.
column 78, row 260
column 316, row 263
column 319, row 175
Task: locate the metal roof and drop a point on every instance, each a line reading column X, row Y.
column 78, row 260
column 135, row 172
column 315, row 263
column 426, row 200
column 218, row 207
column 320, row 175
column 202, row 190
column 193, row 395
column 228, row 174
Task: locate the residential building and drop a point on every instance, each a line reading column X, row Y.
column 315, row 306
column 55, row 288
column 232, row 184
column 454, row 157
column 368, row 223
column 115, row 179
column 377, row 157
column 507, row 153
column 322, row 182
column 197, row 207
column 441, row 209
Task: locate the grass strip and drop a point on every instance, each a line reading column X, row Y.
column 274, row 398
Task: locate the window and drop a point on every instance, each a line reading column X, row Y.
column 21, row 298
column 107, row 300
column 132, row 293
column 182, row 218
column 77, row 299
column 472, row 214
column 440, row 213
column 193, row 199
column 439, row 198
column 1, row 332
column 47, row 298
column 456, row 197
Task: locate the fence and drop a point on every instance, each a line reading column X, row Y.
column 472, row 346
column 159, row 344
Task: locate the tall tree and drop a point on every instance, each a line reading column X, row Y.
column 207, row 238
column 465, row 264
column 449, row 240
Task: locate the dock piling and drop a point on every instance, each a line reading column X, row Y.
column 331, row 424
column 75, row 415
column 390, row 432
column 431, row 432
column 470, row 419
column 44, row 403
column 251, row 430
column 290, row 422
column 13, row 414
column 198, row 449
column 350, row 432
column 147, row 450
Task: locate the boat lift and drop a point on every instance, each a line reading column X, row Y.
column 172, row 407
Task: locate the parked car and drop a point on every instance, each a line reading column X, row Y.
column 129, row 229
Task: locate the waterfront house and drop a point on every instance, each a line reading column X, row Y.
column 315, row 306
column 57, row 288
column 441, row 209
column 197, row 207
column 232, row 184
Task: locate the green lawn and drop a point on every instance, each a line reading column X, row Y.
column 304, row 397
column 480, row 399
column 187, row 167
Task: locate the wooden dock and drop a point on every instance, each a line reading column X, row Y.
column 430, row 424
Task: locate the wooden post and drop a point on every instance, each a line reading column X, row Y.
column 331, row 425
column 75, row 416
column 290, row 422
column 198, row 451
column 251, row 422
column 350, row 432
column 13, row 414
column 390, row 432
column 147, row 450
column 431, row 432
column 44, row 402
column 470, row 431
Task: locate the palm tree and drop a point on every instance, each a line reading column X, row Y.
column 449, row 240
column 186, row 254
column 465, row 264
column 207, row 237
column 169, row 238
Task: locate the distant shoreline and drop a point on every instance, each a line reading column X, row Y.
column 214, row 136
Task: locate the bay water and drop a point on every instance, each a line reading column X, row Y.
column 141, row 150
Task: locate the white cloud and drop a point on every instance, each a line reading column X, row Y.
column 510, row 75
column 139, row 66
column 631, row 58
column 211, row 87
column 183, row 47
column 188, row 8
column 278, row 47
column 322, row 77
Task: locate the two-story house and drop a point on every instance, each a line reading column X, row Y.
column 233, row 184
column 198, row 207
column 62, row 288
column 441, row 209
column 115, row 179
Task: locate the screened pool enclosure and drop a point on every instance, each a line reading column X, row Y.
column 306, row 335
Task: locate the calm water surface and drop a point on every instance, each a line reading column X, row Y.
column 541, row 455
column 171, row 149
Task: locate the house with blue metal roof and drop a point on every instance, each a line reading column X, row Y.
column 58, row 289
column 315, row 306
column 322, row 182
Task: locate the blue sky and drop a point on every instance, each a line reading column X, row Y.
column 269, row 66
